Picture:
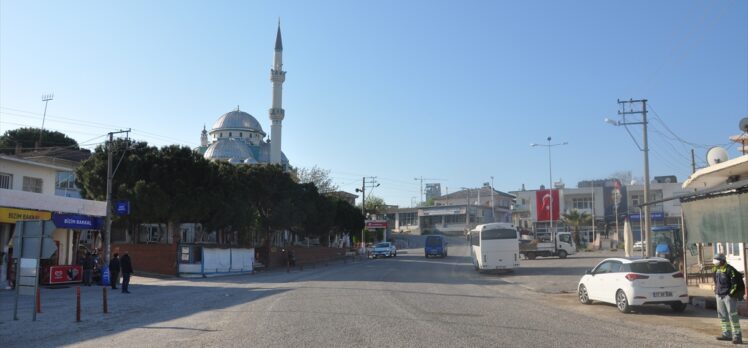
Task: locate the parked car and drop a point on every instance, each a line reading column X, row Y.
column 634, row 282
column 385, row 249
column 638, row 245
column 435, row 245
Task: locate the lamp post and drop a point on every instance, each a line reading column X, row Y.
column 645, row 218
column 493, row 209
column 550, row 178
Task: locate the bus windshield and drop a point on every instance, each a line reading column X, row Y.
column 499, row 233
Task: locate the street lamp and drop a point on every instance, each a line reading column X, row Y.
column 550, row 176
column 645, row 220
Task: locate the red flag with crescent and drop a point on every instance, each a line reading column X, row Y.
column 547, row 204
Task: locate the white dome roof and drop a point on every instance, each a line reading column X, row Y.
column 229, row 149
column 238, row 120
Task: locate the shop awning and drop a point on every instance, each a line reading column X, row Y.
column 718, row 216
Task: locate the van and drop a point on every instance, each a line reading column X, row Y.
column 435, row 245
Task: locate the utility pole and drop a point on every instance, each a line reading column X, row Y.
column 372, row 183
column 493, row 209
column 421, row 179
column 45, row 98
column 693, row 162
column 109, row 176
column 646, row 218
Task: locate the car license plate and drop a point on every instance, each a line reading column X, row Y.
column 662, row 294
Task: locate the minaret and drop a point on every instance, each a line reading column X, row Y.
column 277, row 76
column 204, row 137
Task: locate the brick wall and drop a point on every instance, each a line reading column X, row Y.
column 150, row 258
column 306, row 255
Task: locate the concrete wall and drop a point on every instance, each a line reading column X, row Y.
column 150, row 258
column 19, row 169
column 306, row 256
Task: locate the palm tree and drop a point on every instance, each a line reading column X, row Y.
column 576, row 220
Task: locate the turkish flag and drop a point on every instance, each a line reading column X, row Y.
column 543, row 200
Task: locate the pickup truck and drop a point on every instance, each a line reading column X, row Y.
column 531, row 249
column 385, row 249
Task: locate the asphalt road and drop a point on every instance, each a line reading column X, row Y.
column 407, row 301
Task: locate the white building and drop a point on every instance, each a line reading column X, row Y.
column 28, row 192
column 237, row 137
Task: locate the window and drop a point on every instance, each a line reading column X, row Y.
column 408, row 219
column 603, row 267
column 6, row 181
column 229, row 134
column 582, row 203
column 65, row 181
column 499, row 233
column 241, row 135
column 32, row 184
column 565, row 238
column 652, row 267
column 474, row 240
column 454, row 219
column 636, row 200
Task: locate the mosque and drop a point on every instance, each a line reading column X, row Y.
column 237, row 137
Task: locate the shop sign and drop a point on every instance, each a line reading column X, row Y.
column 65, row 274
column 76, row 221
column 11, row 215
column 373, row 224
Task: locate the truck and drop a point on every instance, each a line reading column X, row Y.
column 562, row 246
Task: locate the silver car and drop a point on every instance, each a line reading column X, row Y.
column 385, row 249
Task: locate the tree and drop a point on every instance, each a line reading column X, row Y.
column 375, row 205
column 576, row 221
column 317, row 176
column 624, row 176
column 27, row 138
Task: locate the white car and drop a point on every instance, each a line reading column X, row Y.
column 634, row 282
column 638, row 245
column 385, row 249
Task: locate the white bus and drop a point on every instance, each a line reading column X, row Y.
column 494, row 246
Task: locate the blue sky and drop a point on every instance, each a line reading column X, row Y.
column 451, row 90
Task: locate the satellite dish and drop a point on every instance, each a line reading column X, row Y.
column 744, row 125
column 716, row 155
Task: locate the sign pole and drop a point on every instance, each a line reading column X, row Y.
column 18, row 272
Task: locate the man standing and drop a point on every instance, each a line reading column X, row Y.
column 728, row 290
column 114, row 270
column 126, row 267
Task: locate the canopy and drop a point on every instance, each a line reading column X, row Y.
column 720, row 217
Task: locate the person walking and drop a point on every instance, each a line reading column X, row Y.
column 126, row 267
column 114, row 270
column 728, row 289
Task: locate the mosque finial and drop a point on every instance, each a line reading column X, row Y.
column 237, row 107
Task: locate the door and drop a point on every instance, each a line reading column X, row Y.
column 595, row 285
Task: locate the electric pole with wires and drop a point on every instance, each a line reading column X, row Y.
column 370, row 183
column 109, row 176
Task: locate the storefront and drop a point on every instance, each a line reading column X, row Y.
column 8, row 218
column 72, row 238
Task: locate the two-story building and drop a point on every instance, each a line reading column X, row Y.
column 454, row 213
column 30, row 189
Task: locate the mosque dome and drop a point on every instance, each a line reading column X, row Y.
column 229, row 149
column 238, row 120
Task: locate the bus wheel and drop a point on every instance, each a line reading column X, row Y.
column 530, row 256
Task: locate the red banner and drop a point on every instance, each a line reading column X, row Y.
column 543, row 201
column 374, row 224
column 65, row 274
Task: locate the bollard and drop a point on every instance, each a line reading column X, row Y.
column 38, row 300
column 106, row 307
column 78, row 304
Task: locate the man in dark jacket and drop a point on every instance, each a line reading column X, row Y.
column 114, row 270
column 126, row 267
column 726, row 280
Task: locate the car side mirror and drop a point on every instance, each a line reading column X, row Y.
column 589, row 271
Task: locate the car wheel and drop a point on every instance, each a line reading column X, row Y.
column 562, row 254
column 530, row 256
column 395, row 254
column 584, row 297
column 678, row 307
column 622, row 302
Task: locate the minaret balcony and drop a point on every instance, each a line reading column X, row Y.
column 277, row 75
column 277, row 114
